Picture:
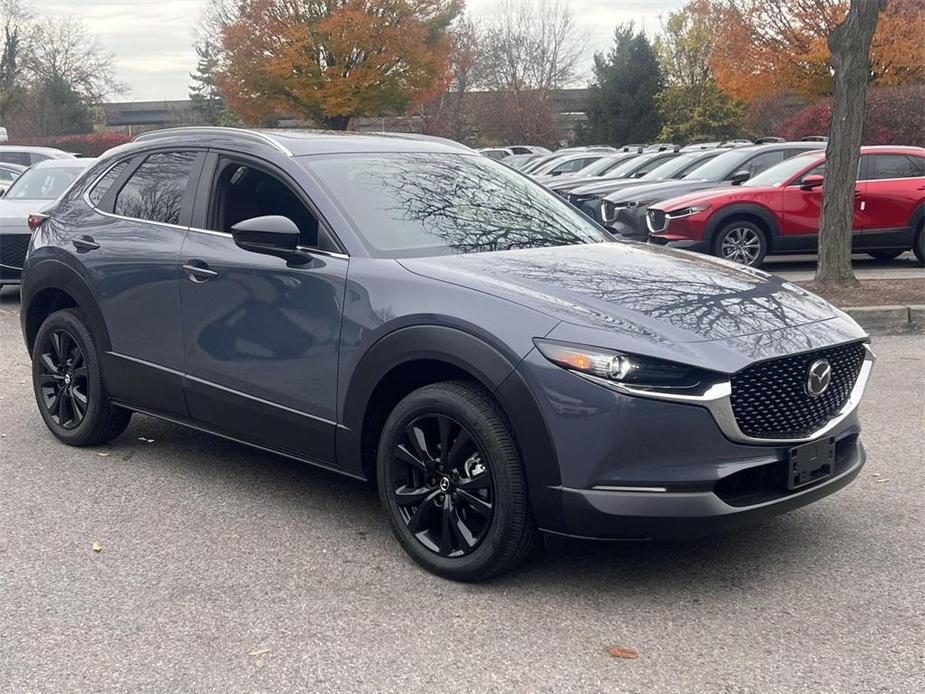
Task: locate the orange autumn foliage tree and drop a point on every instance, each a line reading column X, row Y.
column 332, row 60
column 768, row 46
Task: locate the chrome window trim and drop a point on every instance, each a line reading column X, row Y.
column 718, row 400
column 307, row 249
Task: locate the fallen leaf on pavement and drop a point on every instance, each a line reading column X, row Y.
column 259, row 652
column 96, row 547
column 621, row 652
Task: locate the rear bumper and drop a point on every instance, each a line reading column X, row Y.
column 649, row 515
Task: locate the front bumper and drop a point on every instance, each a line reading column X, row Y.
column 680, row 244
column 650, row 515
column 636, row 468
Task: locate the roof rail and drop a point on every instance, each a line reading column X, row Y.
column 240, row 133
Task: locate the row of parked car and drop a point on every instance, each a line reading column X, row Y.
column 30, row 179
column 738, row 200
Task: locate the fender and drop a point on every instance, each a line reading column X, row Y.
column 720, row 216
column 490, row 367
column 50, row 273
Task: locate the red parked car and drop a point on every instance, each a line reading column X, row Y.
column 777, row 211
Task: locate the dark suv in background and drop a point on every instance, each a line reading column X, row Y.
column 401, row 309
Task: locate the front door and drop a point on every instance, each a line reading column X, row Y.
column 261, row 338
column 801, row 210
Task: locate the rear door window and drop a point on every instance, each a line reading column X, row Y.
column 158, row 188
column 894, row 166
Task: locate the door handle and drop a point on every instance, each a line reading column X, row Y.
column 199, row 271
column 84, row 244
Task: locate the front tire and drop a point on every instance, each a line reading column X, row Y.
column 885, row 255
column 68, row 383
column 741, row 242
column 452, row 483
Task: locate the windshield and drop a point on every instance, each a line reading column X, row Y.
column 779, row 174
column 627, row 168
column 719, row 168
column 405, row 205
column 46, row 183
column 672, row 167
column 600, row 166
column 534, row 165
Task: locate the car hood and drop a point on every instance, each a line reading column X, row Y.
column 636, row 296
column 726, row 194
column 609, row 185
column 656, row 192
column 15, row 213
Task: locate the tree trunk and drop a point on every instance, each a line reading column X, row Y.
column 849, row 44
column 337, row 122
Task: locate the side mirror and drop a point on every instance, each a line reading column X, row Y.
column 271, row 235
column 812, row 181
column 739, row 177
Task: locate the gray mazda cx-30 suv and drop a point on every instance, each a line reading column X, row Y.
column 401, row 309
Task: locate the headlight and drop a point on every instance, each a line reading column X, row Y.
column 629, row 372
column 687, row 211
column 609, row 210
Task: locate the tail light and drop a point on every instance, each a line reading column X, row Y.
column 35, row 220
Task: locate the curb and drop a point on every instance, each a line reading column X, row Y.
column 889, row 320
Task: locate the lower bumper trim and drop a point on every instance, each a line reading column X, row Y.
column 640, row 515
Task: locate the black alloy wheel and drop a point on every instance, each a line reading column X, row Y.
column 62, row 379
column 452, row 483
column 442, row 485
column 68, row 383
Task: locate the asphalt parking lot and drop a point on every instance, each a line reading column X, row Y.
column 226, row 569
column 803, row 267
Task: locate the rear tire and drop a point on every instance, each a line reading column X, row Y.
column 461, row 513
column 885, row 255
column 741, row 242
column 67, row 380
column 918, row 246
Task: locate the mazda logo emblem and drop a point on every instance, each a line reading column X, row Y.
column 818, row 378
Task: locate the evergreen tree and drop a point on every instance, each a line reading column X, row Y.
column 622, row 106
column 207, row 100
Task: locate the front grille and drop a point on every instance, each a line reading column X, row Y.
column 13, row 249
column 770, row 399
column 657, row 219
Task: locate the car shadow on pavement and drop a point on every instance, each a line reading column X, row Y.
column 743, row 558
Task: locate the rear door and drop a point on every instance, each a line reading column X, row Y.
column 131, row 251
column 894, row 188
column 261, row 338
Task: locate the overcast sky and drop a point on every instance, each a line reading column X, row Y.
column 152, row 39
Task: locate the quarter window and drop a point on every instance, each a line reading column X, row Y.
column 156, row 190
column 105, row 183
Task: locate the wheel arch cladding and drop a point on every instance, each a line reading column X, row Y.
column 412, row 357
column 52, row 286
column 744, row 212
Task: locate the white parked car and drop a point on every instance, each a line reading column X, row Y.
column 27, row 156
